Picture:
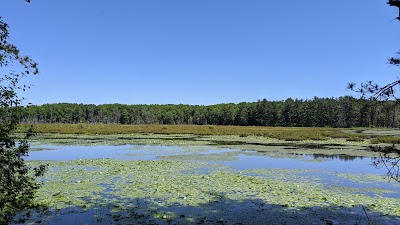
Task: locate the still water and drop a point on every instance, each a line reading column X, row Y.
column 237, row 159
column 330, row 171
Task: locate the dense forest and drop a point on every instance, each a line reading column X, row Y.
column 344, row 111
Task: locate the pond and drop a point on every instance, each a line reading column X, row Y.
column 237, row 159
column 156, row 184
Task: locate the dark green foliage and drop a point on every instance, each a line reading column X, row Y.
column 17, row 180
column 346, row 110
column 124, row 118
column 319, row 112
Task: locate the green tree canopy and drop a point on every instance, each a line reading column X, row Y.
column 17, row 180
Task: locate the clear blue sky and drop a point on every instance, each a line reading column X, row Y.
column 201, row 51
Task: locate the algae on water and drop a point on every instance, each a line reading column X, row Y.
column 168, row 187
column 188, row 181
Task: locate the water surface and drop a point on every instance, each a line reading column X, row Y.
column 175, row 180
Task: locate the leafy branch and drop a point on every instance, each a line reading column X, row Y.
column 17, row 179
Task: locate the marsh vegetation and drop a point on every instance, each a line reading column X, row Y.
column 236, row 177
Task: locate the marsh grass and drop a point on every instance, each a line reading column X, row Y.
column 357, row 138
column 282, row 133
column 386, row 139
column 291, row 134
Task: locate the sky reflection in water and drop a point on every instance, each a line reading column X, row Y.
column 325, row 168
column 242, row 159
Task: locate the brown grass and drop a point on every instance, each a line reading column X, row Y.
column 386, row 139
column 283, row 133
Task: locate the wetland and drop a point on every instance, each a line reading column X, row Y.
column 215, row 179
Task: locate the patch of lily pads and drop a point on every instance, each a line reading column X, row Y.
column 188, row 184
column 186, row 192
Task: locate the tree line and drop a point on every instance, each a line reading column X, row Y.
column 344, row 111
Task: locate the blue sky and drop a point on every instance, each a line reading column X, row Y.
column 201, row 51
